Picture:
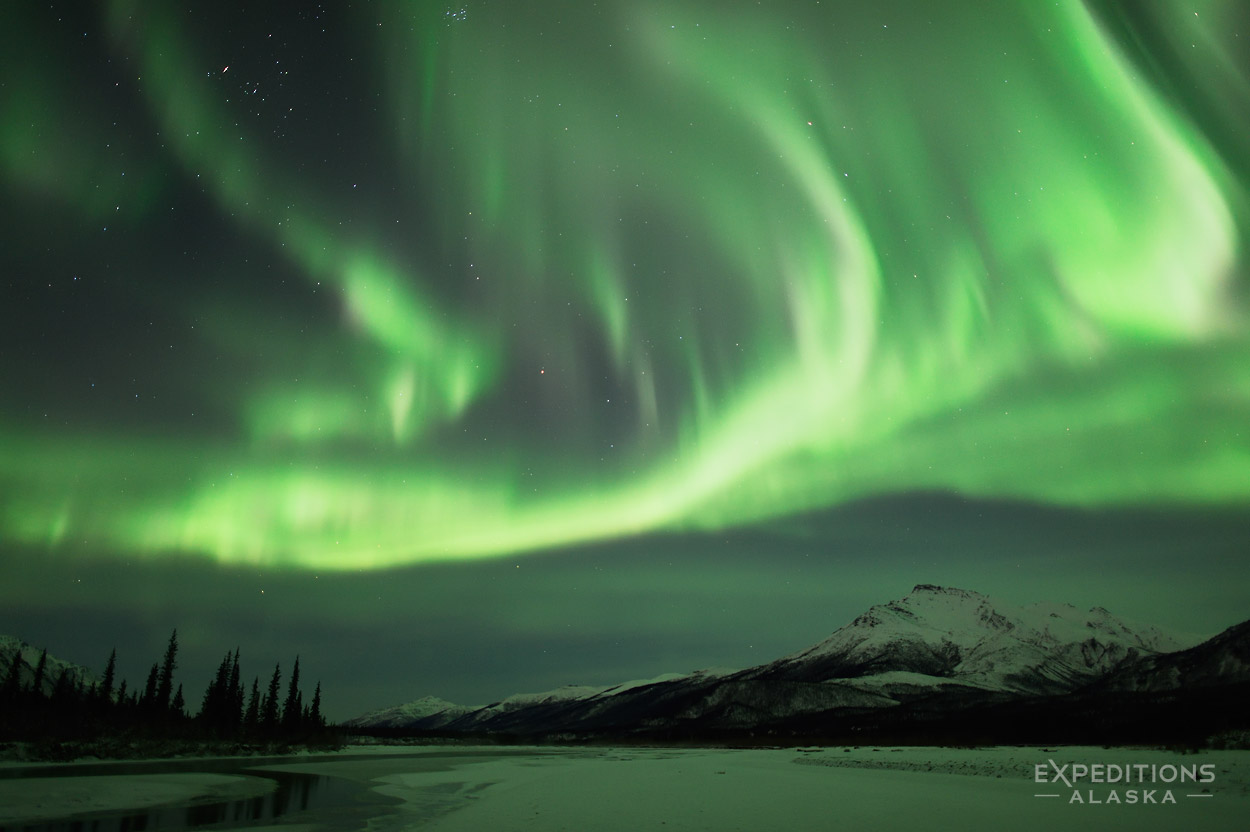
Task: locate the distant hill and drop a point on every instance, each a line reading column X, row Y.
column 428, row 712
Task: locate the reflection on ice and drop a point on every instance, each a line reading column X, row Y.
column 294, row 793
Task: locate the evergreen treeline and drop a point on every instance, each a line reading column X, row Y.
column 157, row 710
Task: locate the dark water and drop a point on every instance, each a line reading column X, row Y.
column 337, row 802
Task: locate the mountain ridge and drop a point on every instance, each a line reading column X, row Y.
column 962, row 635
column 938, row 648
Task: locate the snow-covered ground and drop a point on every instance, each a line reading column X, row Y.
column 785, row 790
column 463, row 788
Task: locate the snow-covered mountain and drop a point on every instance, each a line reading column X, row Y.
column 940, row 649
column 941, row 635
column 427, row 713
column 53, row 669
column 518, row 711
column 1221, row 660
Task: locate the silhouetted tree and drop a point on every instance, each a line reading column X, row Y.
column 291, row 710
column 63, row 690
column 314, row 712
column 110, row 673
column 148, row 700
column 77, row 709
column 269, row 708
column 215, row 710
column 234, row 696
column 166, row 682
column 252, row 718
column 40, row 669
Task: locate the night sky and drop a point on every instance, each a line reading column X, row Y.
column 479, row 348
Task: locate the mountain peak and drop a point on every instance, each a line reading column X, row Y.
column 959, row 635
column 926, row 590
column 429, row 710
column 943, row 648
column 933, row 588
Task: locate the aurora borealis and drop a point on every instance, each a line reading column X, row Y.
column 407, row 285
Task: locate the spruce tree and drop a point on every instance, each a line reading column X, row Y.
column 63, row 692
column 291, row 710
column 110, row 673
column 269, row 710
column 314, row 713
column 214, row 712
column 148, row 700
column 234, row 696
column 252, row 717
column 36, row 686
column 179, row 705
column 166, row 683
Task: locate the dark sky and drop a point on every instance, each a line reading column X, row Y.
column 472, row 349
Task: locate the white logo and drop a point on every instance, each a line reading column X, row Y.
column 1125, row 782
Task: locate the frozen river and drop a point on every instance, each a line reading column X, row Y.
column 597, row 788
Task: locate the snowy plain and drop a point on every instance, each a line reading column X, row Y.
column 600, row 788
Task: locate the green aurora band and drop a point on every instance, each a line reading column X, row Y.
column 735, row 263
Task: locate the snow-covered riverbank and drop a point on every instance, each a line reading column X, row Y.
column 467, row 788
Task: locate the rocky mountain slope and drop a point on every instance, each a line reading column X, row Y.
column 934, row 652
column 30, row 659
column 938, row 634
